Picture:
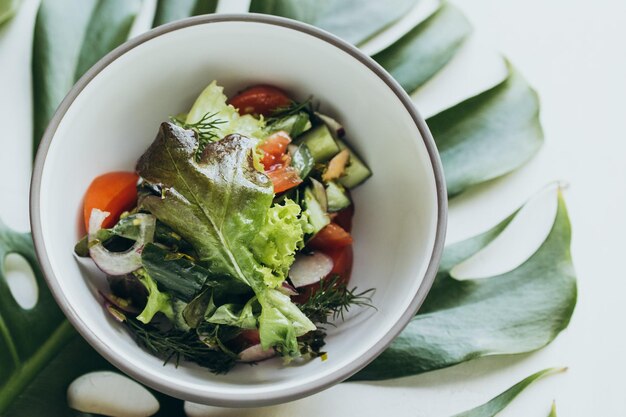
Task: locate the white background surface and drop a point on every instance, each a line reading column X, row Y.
column 573, row 54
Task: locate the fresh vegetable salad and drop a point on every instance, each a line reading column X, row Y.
column 231, row 241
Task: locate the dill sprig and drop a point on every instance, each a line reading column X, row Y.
column 176, row 344
column 333, row 299
column 294, row 108
column 205, row 128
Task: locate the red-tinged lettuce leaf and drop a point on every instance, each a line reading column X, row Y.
column 40, row 352
column 353, row 20
column 499, row 403
column 220, row 204
column 71, row 36
column 519, row 311
column 172, row 10
column 488, row 135
column 424, row 50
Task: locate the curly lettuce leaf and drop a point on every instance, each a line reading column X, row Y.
column 220, row 204
column 276, row 243
column 212, row 100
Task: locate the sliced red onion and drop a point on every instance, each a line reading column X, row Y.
column 310, row 268
column 256, row 353
column 119, row 263
column 287, row 289
column 334, row 126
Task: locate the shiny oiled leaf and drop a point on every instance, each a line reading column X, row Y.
column 71, row 36
column 422, row 52
column 488, row 135
column 172, row 10
column 516, row 312
column 40, row 352
column 8, row 9
column 353, row 20
column 500, row 402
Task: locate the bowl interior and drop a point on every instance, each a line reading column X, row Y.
column 116, row 116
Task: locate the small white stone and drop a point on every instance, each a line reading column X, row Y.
column 111, row 394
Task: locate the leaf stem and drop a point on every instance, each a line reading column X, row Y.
column 20, row 379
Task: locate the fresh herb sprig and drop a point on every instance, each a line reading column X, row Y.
column 176, row 344
column 294, row 108
column 333, row 299
column 206, row 129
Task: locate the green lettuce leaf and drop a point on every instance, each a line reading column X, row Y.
column 157, row 300
column 212, row 100
column 276, row 243
column 220, row 204
column 234, row 315
column 499, row 403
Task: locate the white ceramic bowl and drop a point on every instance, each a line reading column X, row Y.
column 112, row 115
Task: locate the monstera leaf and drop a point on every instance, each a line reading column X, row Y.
column 353, row 20
column 519, row 311
column 40, row 352
column 497, row 404
column 71, row 36
column 172, row 10
column 481, row 138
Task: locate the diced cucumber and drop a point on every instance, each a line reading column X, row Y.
column 336, row 197
column 318, row 218
column 356, row 172
column 294, row 124
column 320, row 142
column 301, row 160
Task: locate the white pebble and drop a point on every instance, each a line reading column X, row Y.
column 111, row 394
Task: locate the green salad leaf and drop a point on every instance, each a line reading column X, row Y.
column 171, row 10
column 519, row 311
column 488, row 135
column 220, row 205
column 353, row 20
column 71, row 36
column 424, row 50
column 158, row 302
column 499, row 403
column 212, row 101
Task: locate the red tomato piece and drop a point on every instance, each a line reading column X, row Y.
column 260, row 99
column 274, row 149
column 115, row 192
column 245, row 339
column 331, row 237
column 284, row 177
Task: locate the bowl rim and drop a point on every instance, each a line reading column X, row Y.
column 238, row 399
